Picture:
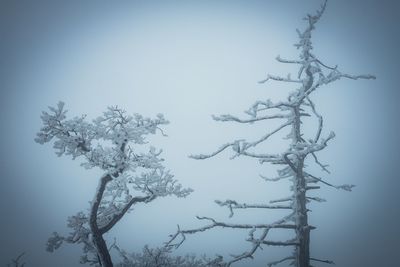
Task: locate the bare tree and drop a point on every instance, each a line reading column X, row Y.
column 312, row 74
column 133, row 173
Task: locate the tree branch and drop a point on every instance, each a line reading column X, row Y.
column 118, row 216
column 227, row 117
column 265, row 137
column 324, row 261
column 345, row 187
column 279, row 59
column 280, row 79
column 231, row 204
column 280, row 261
column 222, row 148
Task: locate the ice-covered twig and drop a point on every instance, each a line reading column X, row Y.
column 346, row 187
column 285, row 199
column 228, row 117
column 266, row 105
column 280, row 79
column 277, row 225
column 279, row 59
column 320, row 120
column 219, row 150
column 323, row 166
column 265, row 137
column 231, row 204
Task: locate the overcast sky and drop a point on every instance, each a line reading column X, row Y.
column 188, row 60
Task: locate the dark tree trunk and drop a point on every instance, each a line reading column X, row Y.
column 97, row 235
column 302, row 252
column 302, row 227
column 102, row 250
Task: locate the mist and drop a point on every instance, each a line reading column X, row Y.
column 189, row 60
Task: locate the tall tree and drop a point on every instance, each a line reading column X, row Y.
column 312, row 74
column 133, row 172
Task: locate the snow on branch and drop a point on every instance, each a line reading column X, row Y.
column 279, row 59
column 345, row 187
column 337, row 75
column 214, row 223
column 222, row 148
column 131, row 175
column 320, row 120
column 266, row 105
column 312, row 74
column 232, row 204
column 228, row 117
column 240, row 147
column 280, row 79
column 268, row 135
column 256, row 243
column 78, row 137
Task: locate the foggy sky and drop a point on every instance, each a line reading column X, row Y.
column 188, row 60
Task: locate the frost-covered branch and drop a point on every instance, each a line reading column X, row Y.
column 282, row 60
column 320, row 120
column 228, row 117
column 312, row 74
column 268, row 135
column 324, row 261
column 280, row 79
column 259, row 106
column 131, row 175
column 222, row 148
column 232, row 204
column 214, row 223
column 346, row 187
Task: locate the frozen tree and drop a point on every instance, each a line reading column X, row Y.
column 312, row 74
column 133, row 171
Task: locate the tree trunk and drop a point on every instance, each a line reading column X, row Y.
column 97, row 236
column 102, row 250
column 302, row 228
column 302, row 252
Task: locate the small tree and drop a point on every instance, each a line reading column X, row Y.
column 132, row 174
column 312, row 75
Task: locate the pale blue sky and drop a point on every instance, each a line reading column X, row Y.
column 188, row 60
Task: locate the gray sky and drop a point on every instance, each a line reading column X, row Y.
column 188, row 60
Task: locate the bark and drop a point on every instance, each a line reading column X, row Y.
column 302, row 227
column 97, row 235
column 302, row 252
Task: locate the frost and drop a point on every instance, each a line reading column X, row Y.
column 132, row 175
column 311, row 75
